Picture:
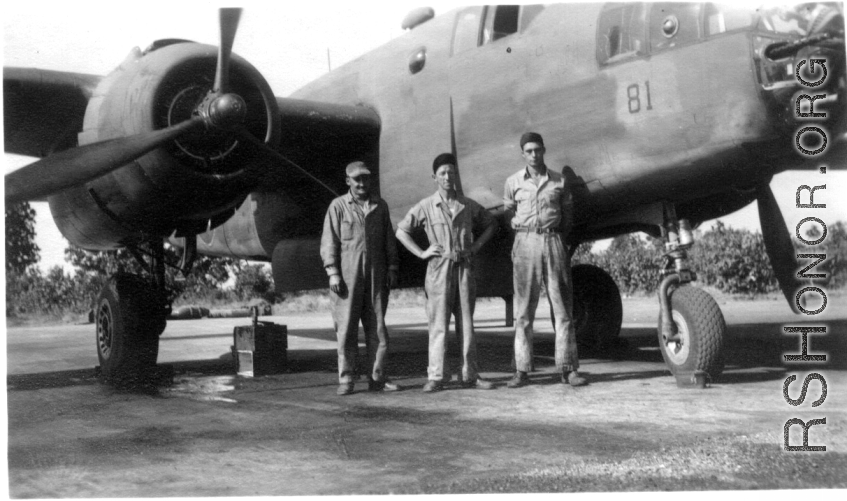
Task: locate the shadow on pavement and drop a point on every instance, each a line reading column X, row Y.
column 59, row 379
column 753, row 353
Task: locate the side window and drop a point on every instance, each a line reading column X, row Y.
column 500, row 21
column 620, row 32
column 528, row 15
column 466, row 33
column 673, row 24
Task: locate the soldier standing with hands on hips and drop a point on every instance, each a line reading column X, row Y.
column 449, row 221
column 539, row 204
column 359, row 254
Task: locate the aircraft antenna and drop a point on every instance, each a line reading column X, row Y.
column 328, row 62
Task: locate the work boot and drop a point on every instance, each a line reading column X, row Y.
column 574, row 379
column 479, row 384
column 520, row 379
column 433, row 386
column 384, row 385
column 345, row 389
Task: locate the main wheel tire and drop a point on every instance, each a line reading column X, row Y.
column 701, row 331
column 129, row 317
column 597, row 306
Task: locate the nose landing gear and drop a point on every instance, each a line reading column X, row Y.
column 691, row 326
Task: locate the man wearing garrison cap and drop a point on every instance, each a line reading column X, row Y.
column 538, row 203
column 359, row 253
column 449, row 221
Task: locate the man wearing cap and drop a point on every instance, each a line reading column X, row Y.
column 359, row 253
column 449, row 221
column 538, row 202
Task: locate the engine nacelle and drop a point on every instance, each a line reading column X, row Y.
column 184, row 185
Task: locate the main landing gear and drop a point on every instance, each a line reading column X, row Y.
column 597, row 307
column 130, row 314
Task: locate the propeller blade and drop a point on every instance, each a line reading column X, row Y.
column 77, row 166
column 267, row 150
column 229, row 26
column 778, row 244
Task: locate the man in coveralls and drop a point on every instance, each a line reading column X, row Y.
column 538, row 202
column 449, row 221
column 359, row 253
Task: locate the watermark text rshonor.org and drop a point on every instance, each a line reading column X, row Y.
column 815, row 67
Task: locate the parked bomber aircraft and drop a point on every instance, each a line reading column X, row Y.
column 660, row 115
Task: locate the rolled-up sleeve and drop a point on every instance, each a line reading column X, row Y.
column 415, row 218
column 331, row 242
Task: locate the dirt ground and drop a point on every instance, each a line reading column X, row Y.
column 214, row 434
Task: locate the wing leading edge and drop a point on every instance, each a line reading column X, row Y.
column 44, row 109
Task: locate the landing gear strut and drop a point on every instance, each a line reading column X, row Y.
column 691, row 326
column 130, row 314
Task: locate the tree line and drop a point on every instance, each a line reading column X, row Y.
column 59, row 295
column 731, row 260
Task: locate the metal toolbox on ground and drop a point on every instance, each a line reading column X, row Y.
column 260, row 349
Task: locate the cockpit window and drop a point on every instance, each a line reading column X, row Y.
column 467, row 31
column 620, row 32
column 500, row 21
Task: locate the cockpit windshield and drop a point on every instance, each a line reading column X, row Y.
column 783, row 19
column 789, row 20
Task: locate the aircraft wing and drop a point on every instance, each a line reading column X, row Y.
column 44, row 109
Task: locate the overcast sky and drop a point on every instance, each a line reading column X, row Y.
column 287, row 44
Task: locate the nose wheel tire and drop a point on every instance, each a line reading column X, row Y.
column 129, row 317
column 698, row 342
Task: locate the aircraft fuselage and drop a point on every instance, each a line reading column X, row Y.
column 682, row 119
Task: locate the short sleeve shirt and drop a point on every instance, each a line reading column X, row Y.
column 542, row 206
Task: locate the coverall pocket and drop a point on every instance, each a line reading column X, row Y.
column 346, row 230
column 440, row 232
column 437, row 271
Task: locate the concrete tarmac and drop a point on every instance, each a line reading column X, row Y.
column 632, row 429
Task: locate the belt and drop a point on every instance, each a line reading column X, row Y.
column 453, row 256
column 533, row 229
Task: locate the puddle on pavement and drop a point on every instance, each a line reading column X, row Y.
column 204, row 388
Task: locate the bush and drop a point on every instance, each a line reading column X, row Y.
column 731, row 260
column 55, row 296
column 32, row 296
column 254, row 281
column 632, row 262
column 835, row 248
